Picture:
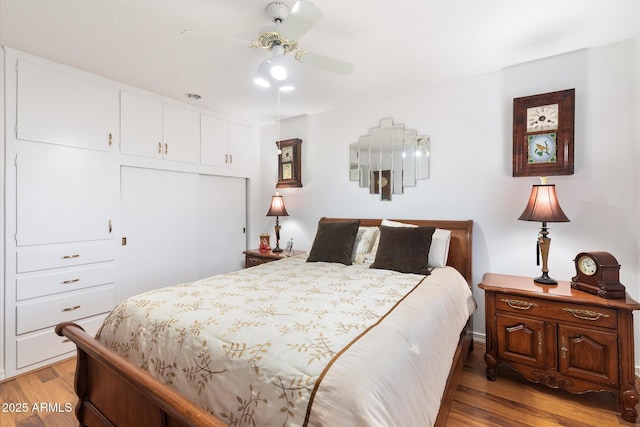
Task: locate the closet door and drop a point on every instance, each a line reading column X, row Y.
column 222, row 224
column 159, row 211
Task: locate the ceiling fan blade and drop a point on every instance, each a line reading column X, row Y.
column 302, row 17
column 325, row 62
column 198, row 35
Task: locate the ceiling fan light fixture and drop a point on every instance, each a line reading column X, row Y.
column 262, row 76
column 278, row 72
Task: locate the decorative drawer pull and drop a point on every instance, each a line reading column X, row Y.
column 520, row 305
column 110, row 139
column 66, row 340
column 71, row 256
column 110, row 226
column 71, row 308
column 67, row 282
column 166, row 148
column 230, row 158
column 159, row 147
column 585, row 314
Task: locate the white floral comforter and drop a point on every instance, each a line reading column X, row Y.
column 297, row 343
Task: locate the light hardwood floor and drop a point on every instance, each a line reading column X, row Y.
column 509, row 401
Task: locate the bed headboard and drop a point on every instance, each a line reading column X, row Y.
column 460, row 248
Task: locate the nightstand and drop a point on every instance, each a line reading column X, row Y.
column 255, row 257
column 561, row 337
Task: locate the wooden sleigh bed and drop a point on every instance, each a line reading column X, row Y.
column 113, row 391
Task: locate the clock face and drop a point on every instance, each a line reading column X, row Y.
column 287, row 154
column 541, row 118
column 587, row 265
column 541, row 148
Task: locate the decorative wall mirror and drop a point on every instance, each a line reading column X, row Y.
column 389, row 158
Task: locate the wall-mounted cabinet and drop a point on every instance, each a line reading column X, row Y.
column 224, row 143
column 64, row 108
column 154, row 129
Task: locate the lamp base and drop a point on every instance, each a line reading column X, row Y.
column 545, row 279
column 277, row 249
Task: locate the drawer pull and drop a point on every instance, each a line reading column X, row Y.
column 159, row 147
column 110, row 139
column 75, row 307
column 520, row 305
column 67, row 282
column 585, row 314
column 71, row 256
column 66, row 340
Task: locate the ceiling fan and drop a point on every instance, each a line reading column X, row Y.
column 281, row 39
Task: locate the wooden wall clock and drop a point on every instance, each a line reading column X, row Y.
column 543, row 132
column 289, row 163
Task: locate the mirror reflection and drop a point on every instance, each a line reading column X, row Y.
column 389, row 158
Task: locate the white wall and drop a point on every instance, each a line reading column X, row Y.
column 469, row 123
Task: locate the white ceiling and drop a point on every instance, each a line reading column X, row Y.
column 399, row 47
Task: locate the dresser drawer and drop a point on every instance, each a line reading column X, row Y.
column 558, row 311
column 45, row 312
column 36, row 258
column 46, row 344
column 64, row 280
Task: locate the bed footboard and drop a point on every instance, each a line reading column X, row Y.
column 112, row 391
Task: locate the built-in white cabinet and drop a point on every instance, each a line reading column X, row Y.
column 62, row 107
column 225, row 144
column 94, row 213
column 155, row 129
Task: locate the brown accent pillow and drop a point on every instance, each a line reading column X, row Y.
column 404, row 249
column 334, row 242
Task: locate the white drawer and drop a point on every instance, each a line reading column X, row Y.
column 34, row 258
column 41, row 284
column 43, row 345
column 50, row 311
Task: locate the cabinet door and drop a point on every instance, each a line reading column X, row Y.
column 213, row 139
column 222, row 219
column 521, row 340
column 180, row 134
column 64, row 194
column 140, row 126
column 240, row 146
column 160, row 222
column 588, row 354
column 63, row 108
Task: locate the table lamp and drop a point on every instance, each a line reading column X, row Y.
column 543, row 206
column 277, row 209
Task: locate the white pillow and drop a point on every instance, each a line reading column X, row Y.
column 364, row 242
column 440, row 241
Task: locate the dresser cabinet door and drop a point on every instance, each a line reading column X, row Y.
column 61, row 108
column 521, row 340
column 588, row 354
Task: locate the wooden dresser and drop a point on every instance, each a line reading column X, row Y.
column 561, row 337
